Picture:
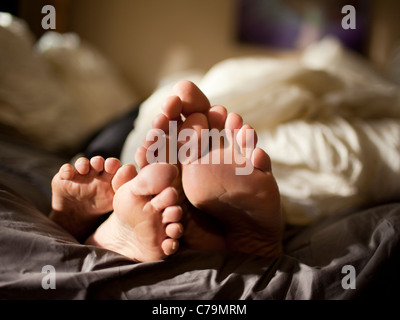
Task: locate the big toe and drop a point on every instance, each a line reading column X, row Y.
column 123, row 175
column 192, row 98
column 153, row 179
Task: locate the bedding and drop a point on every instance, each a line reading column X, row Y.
column 329, row 122
column 310, row 268
column 337, row 245
column 56, row 91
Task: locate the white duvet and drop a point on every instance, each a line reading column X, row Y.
column 330, row 124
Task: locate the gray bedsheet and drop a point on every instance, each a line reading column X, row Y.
column 39, row 260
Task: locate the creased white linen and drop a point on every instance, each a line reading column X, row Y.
column 56, row 92
column 329, row 122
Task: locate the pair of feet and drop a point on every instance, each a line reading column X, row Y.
column 206, row 204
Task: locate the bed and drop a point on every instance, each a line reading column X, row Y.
column 339, row 243
column 310, row 268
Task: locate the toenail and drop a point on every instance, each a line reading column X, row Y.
column 66, row 168
column 175, row 191
column 180, row 228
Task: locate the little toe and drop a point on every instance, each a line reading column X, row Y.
column 82, row 166
column 247, row 140
column 193, row 99
column 140, row 157
column 170, row 246
column 261, row 160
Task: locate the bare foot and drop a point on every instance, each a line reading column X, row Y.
column 81, row 195
column 248, row 205
column 201, row 232
column 145, row 223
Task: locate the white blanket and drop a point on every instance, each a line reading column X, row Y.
column 56, row 92
column 330, row 124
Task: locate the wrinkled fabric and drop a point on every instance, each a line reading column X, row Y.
column 330, row 124
column 56, row 92
column 311, row 267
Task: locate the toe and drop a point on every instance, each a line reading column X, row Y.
column 82, row 166
column 172, row 108
column 261, row 160
column 66, row 172
column 161, row 122
column 174, row 230
column 233, row 122
column 140, row 157
column 217, row 117
column 97, row 164
column 155, row 137
column 155, row 148
column 172, row 214
column 196, row 121
column 193, row 100
column 153, row 179
column 123, row 175
column 247, row 140
column 111, row 165
column 190, row 137
column 167, row 197
column 170, row 246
